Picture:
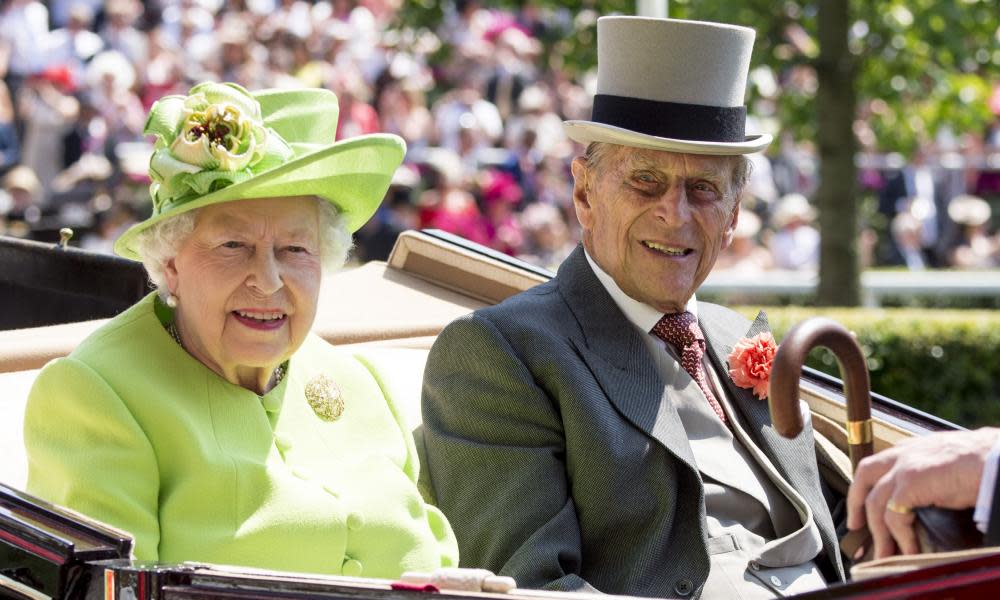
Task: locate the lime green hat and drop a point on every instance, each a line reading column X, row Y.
column 222, row 143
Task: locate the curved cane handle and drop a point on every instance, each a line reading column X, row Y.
column 938, row 529
column 783, row 397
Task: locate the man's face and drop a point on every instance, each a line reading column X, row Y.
column 656, row 221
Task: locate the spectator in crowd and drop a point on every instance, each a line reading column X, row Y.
column 547, row 239
column 22, row 24
column 119, row 32
column 974, row 248
column 907, row 235
column 75, row 44
column 795, row 242
column 918, row 189
column 745, row 254
column 402, row 110
column 49, row 110
column 501, row 198
column 445, row 204
column 20, row 200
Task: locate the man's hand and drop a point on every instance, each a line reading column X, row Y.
column 941, row 469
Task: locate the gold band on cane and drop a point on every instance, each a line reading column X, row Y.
column 859, row 432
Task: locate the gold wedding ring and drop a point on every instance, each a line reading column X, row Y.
column 899, row 509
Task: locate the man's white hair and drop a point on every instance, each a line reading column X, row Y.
column 161, row 242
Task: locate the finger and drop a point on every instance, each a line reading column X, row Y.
column 868, row 473
column 875, row 509
column 901, row 527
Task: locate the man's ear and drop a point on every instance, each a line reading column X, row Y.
column 581, row 199
column 730, row 233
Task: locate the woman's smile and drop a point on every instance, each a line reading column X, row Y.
column 261, row 320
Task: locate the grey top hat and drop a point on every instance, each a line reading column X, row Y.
column 669, row 84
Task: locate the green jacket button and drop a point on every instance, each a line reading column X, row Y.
column 282, row 441
column 352, row 568
column 355, row 521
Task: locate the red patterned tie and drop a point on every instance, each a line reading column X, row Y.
column 682, row 332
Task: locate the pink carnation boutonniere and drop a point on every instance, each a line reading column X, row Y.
column 750, row 363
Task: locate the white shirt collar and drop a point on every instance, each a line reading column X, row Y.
column 639, row 314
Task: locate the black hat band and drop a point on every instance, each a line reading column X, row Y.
column 693, row 122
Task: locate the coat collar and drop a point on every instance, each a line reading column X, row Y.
column 617, row 355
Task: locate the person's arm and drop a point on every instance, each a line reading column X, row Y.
column 86, row 452
column 941, row 469
column 448, row 545
column 496, row 460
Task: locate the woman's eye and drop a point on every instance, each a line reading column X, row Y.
column 232, row 245
column 297, row 249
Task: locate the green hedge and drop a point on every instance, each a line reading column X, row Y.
column 945, row 362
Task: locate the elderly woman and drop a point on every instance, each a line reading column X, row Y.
column 206, row 420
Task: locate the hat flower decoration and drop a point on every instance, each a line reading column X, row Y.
column 211, row 138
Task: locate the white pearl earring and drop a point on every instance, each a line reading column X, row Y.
column 171, row 301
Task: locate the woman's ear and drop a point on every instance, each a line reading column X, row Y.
column 170, row 274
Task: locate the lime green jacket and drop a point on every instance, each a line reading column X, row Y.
column 133, row 431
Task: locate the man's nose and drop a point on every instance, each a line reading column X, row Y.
column 672, row 207
column 265, row 272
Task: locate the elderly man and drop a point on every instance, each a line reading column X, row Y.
column 585, row 434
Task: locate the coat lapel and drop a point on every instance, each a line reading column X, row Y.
column 793, row 458
column 617, row 356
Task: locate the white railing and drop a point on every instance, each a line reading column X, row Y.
column 875, row 285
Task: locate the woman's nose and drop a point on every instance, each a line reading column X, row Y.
column 265, row 273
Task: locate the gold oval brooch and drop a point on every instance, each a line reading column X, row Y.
column 325, row 398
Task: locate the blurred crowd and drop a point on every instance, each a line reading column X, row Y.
column 478, row 101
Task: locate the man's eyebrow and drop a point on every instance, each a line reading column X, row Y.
column 641, row 163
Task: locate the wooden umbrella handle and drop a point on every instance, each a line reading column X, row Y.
column 783, row 397
column 937, row 529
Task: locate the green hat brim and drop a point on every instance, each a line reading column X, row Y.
column 352, row 174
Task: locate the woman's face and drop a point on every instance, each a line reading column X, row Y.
column 247, row 281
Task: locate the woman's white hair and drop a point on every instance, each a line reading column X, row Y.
column 161, row 242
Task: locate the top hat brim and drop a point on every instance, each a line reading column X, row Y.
column 586, row 132
column 353, row 174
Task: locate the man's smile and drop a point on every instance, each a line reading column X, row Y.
column 669, row 250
